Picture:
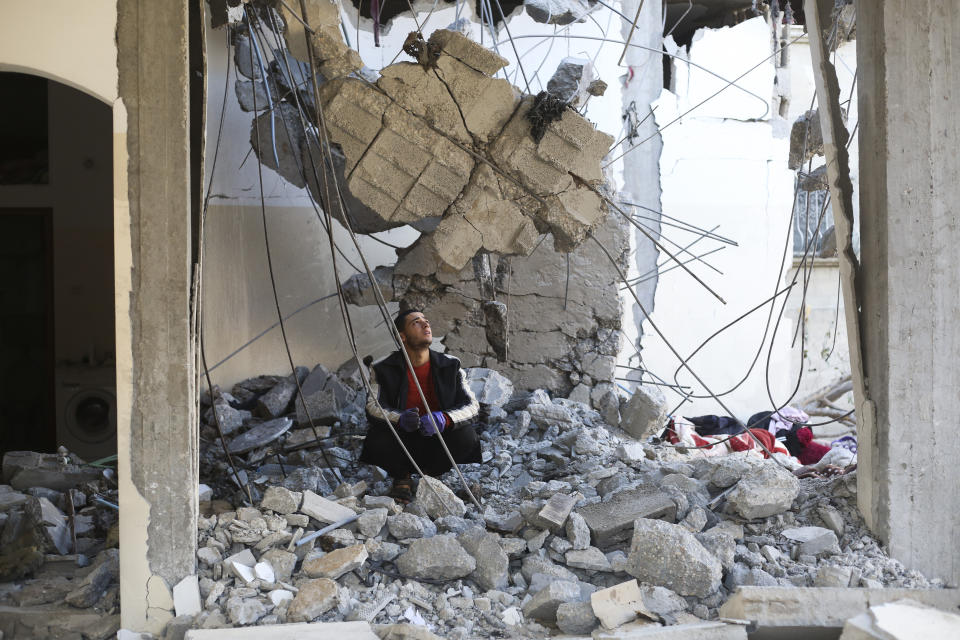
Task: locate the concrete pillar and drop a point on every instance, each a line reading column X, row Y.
column 643, row 83
column 908, row 55
column 157, row 437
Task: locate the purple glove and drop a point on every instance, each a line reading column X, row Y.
column 426, row 426
column 409, row 420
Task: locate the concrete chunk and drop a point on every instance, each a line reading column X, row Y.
column 556, row 510
column 437, row 499
column 314, row 598
column 336, row 563
column 668, row 555
column 645, row 414
column 612, row 521
column 543, row 605
column 786, row 608
column 440, row 557
column 814, row 541
column 186, row 597
column 767, row 491
column 323, row 510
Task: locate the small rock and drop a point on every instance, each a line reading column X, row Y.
column 371, row 521
column 831, row 519
column 578, row 533
column 405, row 525
column 828, row 576
column 720, row 544
column 492, row 562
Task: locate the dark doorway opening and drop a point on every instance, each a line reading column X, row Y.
column 57, row 335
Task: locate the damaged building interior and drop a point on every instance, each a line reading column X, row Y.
column 681, row 275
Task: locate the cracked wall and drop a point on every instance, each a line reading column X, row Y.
column 446, row 148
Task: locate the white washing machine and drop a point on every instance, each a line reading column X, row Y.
column 87, row 410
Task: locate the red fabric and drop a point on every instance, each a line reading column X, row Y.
column 812, row 451
column 745, row 442
column 426, row 382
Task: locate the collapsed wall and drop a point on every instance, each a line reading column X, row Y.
column 505, row 190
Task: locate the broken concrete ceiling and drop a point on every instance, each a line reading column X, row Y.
column 439, row 144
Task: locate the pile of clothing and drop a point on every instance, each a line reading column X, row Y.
column 784, row 433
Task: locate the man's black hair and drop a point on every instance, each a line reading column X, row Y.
column 400, row 322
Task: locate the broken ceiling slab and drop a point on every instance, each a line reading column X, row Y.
column 333, row 57
column 415, row 149
column 786, row 609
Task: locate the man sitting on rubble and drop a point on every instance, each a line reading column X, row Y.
column 451, row 409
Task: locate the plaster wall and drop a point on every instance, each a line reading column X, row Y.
column 826, row 356
column 735, row 153
column 909, row 80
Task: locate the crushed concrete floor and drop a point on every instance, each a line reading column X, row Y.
column 583, row 530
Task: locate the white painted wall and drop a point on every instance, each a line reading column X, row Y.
column 723, row 165
column 826, row 356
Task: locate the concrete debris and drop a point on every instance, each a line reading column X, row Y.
column 574, row 81
column 668, row 555
column 900, row 620
column 645, row 414
column 767, row 492
column 480, row 573
column 437, row 500
column 558, row 11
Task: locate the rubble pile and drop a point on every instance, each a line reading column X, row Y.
column 581, row 528
column 58, row 520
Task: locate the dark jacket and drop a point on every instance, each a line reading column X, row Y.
column 389, row 385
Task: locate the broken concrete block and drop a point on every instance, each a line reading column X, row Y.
column 323, row 510
column 439, row 557
column 437, row 499
column 186, row 597
column 721, row 544
column 668, row 555
column 358, row 289
column 282, row 562
column 589, row 559
column 572, row 81
column 406, row 525
column 276, row 402
column 490, row 387
column 336, row 563
column 371, row 521
column 578, row 533
column 830, row 576
column 554, row 513
column 543, row 605
column 25, row 469
column 821, row 609
column 619, row 604
column 45, row 517
column 558, row 12
column 492, row 570
column 612, row 521
column 831, row 519
column 814, row 541
column 901, row 620
column 767, row 491
column 472, row 54
column 645, row 414
column 226, row 416
column 281, row 500
column 576, row 618
column 313, row 598
column 687, row 631
column 259, row 435
column 806, row 139
column 101, row 576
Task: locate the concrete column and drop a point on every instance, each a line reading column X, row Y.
column 157, row 437
column 908, row 55
column 643, row 83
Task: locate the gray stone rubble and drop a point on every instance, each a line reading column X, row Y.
column 583, row 529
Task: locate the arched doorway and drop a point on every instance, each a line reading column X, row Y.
column 57, row 333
